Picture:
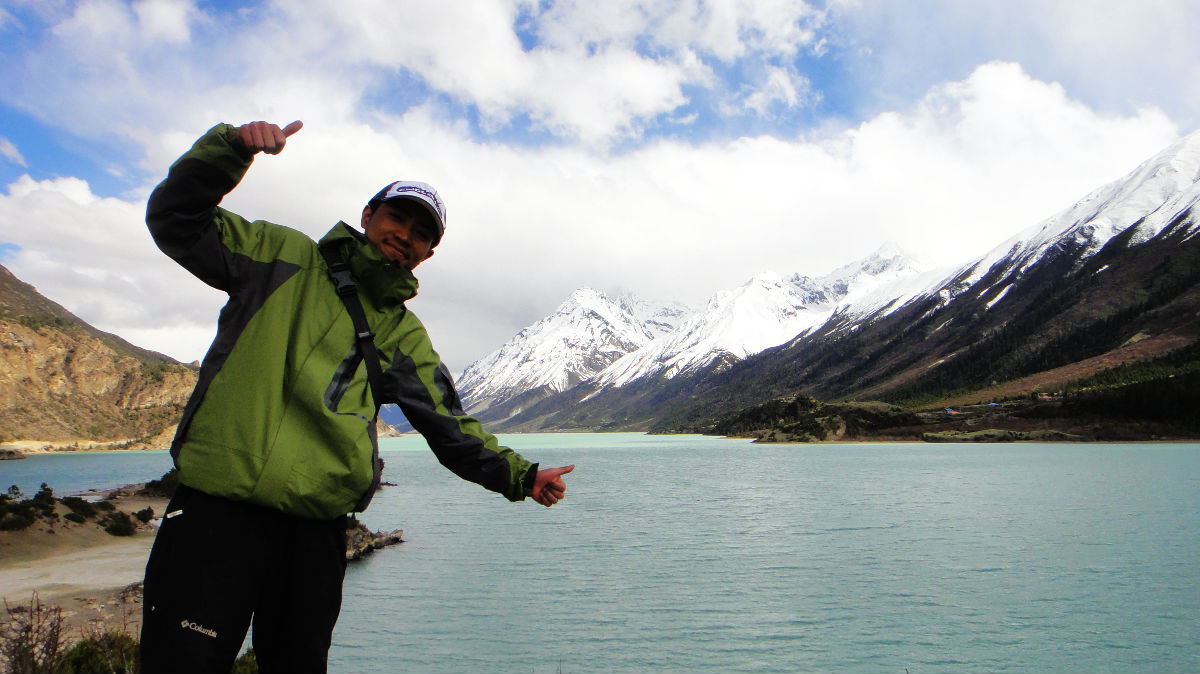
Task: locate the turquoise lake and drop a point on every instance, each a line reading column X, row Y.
column 687, row 553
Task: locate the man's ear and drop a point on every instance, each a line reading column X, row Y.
column 366, row 216
column 429, row 254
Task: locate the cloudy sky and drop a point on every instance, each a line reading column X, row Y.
column 669, row 149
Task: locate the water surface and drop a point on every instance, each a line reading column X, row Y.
column 684, row 553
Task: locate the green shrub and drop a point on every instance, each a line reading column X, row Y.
column 164, row 486
column 38, row 321
column 144, row 515
column 44, row 495
column 108, row 653
column 79, row 507
column 15, row 522
column 106, row 506
column 118, row 524
column 75, row 517
column 156, row 371
column 43, row 501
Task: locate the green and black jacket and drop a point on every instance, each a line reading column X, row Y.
column 282, row 414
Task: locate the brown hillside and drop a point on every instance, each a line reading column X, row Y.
column 62, row 380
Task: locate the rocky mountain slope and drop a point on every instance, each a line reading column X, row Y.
column 62, row 381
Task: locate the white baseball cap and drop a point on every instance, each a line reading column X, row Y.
column 420, row 192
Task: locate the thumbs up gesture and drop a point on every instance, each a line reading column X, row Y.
column 549, row 487
column 266, row 137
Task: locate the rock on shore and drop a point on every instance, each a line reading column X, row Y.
column 362, row 541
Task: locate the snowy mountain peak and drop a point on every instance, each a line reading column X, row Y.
column 766, row 311
column 886, row 264
column 586, row 333
column 658, row 318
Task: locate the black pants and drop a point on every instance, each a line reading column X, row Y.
column 217, row 563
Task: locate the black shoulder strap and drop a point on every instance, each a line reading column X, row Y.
column 347, row 289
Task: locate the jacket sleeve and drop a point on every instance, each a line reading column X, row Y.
column 183, row 214
column 421, row 385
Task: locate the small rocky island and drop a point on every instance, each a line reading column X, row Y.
column 361, row 541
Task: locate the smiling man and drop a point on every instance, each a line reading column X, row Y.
column 277, row 443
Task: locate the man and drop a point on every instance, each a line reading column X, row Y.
column 277, row 443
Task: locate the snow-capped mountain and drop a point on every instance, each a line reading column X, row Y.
column 608, row 342
column 584, row 335
column 764, row 312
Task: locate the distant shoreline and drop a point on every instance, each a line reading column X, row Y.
column 31, row 447
column 19, row 449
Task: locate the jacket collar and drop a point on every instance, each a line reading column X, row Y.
column 385, row 283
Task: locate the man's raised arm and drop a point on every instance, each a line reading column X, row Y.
column 182, row 211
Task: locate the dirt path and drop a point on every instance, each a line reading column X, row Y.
column 95, row 568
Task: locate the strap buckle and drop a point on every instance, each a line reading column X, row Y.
column 343, row 280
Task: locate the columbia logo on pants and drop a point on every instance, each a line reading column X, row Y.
column 196, row 627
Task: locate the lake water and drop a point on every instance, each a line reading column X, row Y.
column 685, row 553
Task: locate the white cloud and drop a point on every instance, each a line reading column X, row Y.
column 781, row 85
column 970, row 164
column 10, row 152
column 165, row 20
column 568, row 89
column 96, row 23
column 726, row 29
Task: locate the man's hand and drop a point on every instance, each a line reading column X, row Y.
column 548, row 486
column 266, row 137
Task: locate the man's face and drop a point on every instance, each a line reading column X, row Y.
column 401, row 230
